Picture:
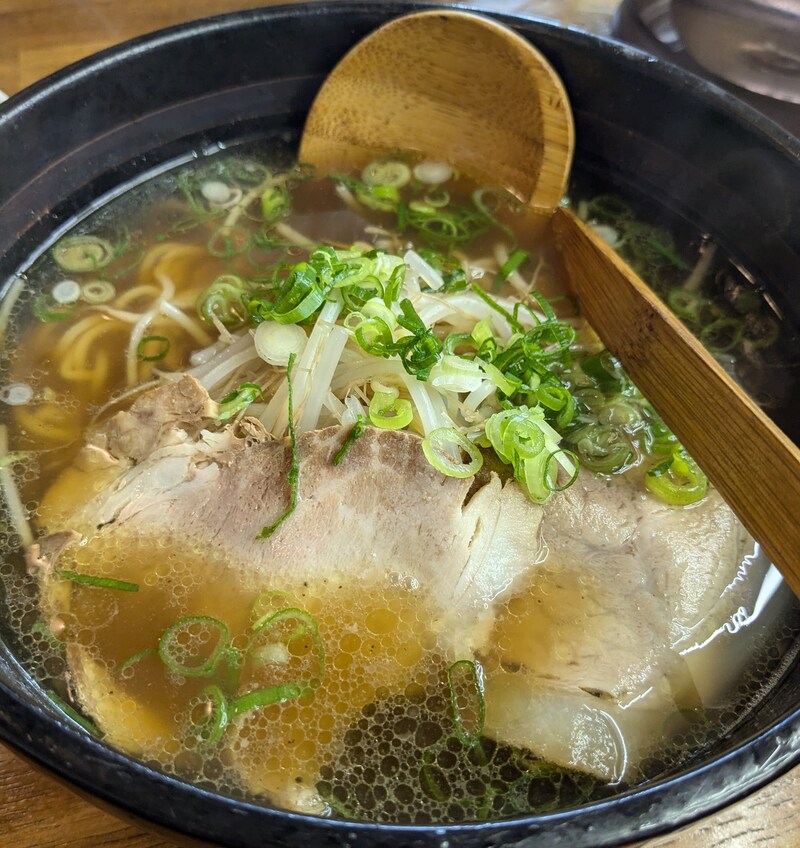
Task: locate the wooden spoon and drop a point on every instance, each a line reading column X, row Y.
column 462, row 88
column 454, row 86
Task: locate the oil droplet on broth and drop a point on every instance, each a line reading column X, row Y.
column 374, row 636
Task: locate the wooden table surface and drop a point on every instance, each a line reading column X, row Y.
column 40, row 36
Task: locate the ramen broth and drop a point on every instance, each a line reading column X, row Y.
column 370, row 711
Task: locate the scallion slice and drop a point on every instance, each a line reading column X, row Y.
column 293, row 477
column 223, row 301
column 74, row 715
column 212, row 716
column 97, row 582
column 133, row 659
column 97, row 291
column 78, row 254
column 49, row 311
column 602, row 448
column 509, row 266
column 153, row 348
column 266, row 697
column 238, row 400
column 228, row 242
column 390, row 173
column 356, row 432
column 678, row 480
column 276, row 342
column 194, row 645
column 465, row 680
column 390, row 412
column 443, row 448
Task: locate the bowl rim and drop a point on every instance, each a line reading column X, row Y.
column 668, row 803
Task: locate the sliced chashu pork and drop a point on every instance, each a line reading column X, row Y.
column 383, row 508
column 625, row 576
column 154, row 472
column 595, row 646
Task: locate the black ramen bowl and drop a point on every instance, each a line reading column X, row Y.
column 643, row 126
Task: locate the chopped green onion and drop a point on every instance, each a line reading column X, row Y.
column 275, row 342
column 223, row 300
column 293, row 477
column 548, row 340
column 392, row 173
column 65, row 292
column 456, row 374
column 606, row 371
column 49, row 311
column 238, row 400
column 455, row 340
column 558, row 399
column 137, row 657
column 214, row 716
column 451, row 271
column 485, row 296
column 420, row 351
column 97, row 582
column 356, row 432
column 509, row 266
column 78, row 254
column 228, row 242
column 602, row 448
column 433, row 173
column 305, row 626
column 268, row 603
column 555, row 459
column 442, row 446
column 722, row 335
column 484, row 338
column 308, row 284
column 686, row 304
column 194, row 645
column 465, row 680
column 382, row 198
column 677, row 480
column 153, row 348
column 73, row 714
column 390, row 412
column 375, row 337
column 434, row 782
column 522, row 438
column 97, row 291
column 266, row 697
column 515, row 435
column 276, row 203
column 249, row 172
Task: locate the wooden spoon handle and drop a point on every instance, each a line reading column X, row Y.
column 749, row 459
